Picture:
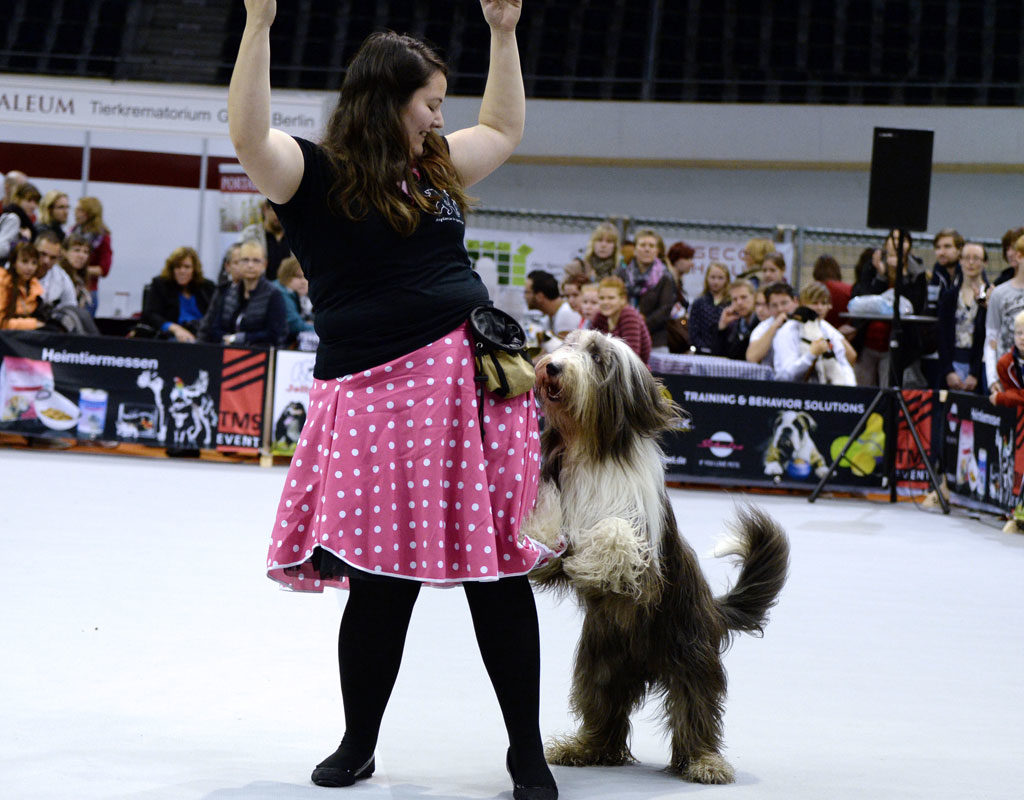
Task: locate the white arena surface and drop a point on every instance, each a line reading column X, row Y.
column 146, row 656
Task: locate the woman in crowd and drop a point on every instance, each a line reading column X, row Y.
column 16, row 217
column 250, row 311
column 961, row 325
column 74, row 260
column 293, row 286
column 706, row 309
column 53, row 213
column 89, row 223
column 571, row 287
column 773, row 269
column 827, row 271
column 752, row 256
column 1004, row 302
column 617, row 317
column 650, row 285
column 394, row 377
column 588, row 304
column 178, row 297
column 20, row 292
column 602, row 256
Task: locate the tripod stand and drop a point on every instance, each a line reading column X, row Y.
column 895, row 391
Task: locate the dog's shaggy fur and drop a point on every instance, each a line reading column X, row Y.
column 651, row 623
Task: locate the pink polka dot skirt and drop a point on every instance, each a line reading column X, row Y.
column 394, row 474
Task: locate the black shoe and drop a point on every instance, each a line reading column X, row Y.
column 340, row 776
column 521, row 792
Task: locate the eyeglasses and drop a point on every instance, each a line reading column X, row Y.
column 971, row 258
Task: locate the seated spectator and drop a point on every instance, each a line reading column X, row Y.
column 961, row 325
column 20, row 292
column 626, row 251
column 706, row 309
column 293, row 286
column 827, row 271
column 1008, row 388
column 736, row 322
column 74, row 260
column 602, row 256
column 1004, row 302
column 753, row 259
column 248, row 312
column 53, row 213
column 60, row 298
column 617, row 317
column 269, row 232
column 17, row 218
column 650, row 285
column 178, row 297
column 773, row 269
column 542, row 294
column 571, row 286
column 781, row 302
column 89, row 223
column 761, row 306
column 807, row 348
column 588, row 304
column 1009, row 255
column 229, row 267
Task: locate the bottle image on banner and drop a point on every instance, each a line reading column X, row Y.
column 92, row 408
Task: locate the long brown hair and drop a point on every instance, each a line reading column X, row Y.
column 93, row 209
column 20, row 249
column 178, row 255
column 367, row 142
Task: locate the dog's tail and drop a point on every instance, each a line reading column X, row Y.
column 761, row 544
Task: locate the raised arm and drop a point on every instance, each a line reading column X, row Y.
column 271, row 158
column 478, row 151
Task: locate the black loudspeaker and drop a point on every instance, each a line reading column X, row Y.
column 901, row 178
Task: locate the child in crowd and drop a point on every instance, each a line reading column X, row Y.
column 20, row 292
column 1009, row 389
column 588, row 304
column 74, row 258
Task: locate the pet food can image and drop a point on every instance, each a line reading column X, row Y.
column 982, row 471
column 92, row 407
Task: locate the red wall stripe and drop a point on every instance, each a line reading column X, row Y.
column 57, row 162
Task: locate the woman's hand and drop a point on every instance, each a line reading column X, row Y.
column 500, row 15
column 953, row 381
column 182, row 334
column 260, row 11
column 970, row 383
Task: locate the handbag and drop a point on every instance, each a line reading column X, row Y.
column 499, row 352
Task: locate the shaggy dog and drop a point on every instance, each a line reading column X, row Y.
column 651, row 623
column 792, row 446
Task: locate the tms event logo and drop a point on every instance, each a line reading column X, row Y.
column 721, row 444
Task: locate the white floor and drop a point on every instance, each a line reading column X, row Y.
column 146, row 656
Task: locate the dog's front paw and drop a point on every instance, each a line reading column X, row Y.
column 773, row 468
column 708, row 768
column 612, row 557
column 544, row 523
column 575, row 751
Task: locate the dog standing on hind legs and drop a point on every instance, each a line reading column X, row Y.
column 651, row 623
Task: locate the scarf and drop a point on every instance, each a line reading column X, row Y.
column 639, row 283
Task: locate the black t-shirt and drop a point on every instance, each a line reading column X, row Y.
column 376, row 294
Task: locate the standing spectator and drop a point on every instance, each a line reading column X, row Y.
column 1005, row 301
column 602, row 256
column 617, row 317
column 827, row 271
column 961, row 325
column 89, row 223
column 706, row 309
column 781, row 302
column 650, row 286
column 270, row 233
column 1008, row 389
column 542, row 294
column 736, row 322
column 947, row 272
column 626, row 251
column 773, row 269
column 20, row 292
column 12, row 180
column 178, row 297
column 680, row 262
column 1009, row 255
column 53, row 213
column 251, row 311
column 17, row 219
column 753, row 255
column 293, row 286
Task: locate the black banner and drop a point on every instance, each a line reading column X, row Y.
column 129, row 390
column 769, row 433
column 978, row 452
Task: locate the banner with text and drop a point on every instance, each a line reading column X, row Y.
column 293, row 378
column 130, row 390
column 978, row 452
column 759, row 433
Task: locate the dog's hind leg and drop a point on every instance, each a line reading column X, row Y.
column 694, row 706
column 607, row 687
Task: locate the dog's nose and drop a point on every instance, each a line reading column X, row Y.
column 553, row 370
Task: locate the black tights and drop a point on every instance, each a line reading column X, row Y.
column 370, row 643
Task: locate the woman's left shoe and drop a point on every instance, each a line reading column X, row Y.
column 327, row 774
column 523, row 792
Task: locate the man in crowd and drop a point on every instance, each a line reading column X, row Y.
column 947, row 273
column 542, row 294
column 269, row 233
column 781, row 300
column 737, row 321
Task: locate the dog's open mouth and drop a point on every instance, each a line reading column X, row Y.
column 550, row 387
